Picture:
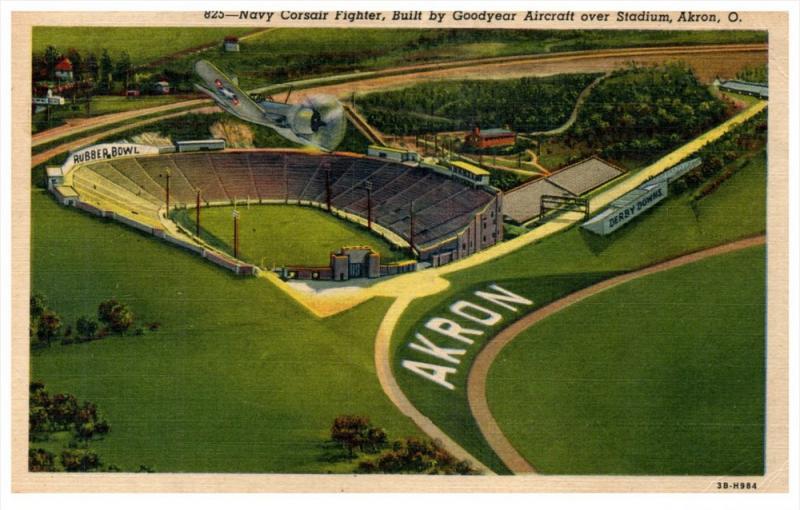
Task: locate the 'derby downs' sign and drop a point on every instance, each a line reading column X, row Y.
column 627, row 207
column 106, row 151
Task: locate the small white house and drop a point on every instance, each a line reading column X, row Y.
column 162, row 87
column 231, row 43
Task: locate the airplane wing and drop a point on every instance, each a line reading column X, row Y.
column 317, row 122
column 227, row 95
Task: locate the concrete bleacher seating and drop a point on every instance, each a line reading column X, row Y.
column 442, row 205
column 524, row 202
column 584, row 176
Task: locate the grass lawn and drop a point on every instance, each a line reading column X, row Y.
column 239, row 378
column 575, row 258
column 663, row 375
column 279, row 235
column 158, row 41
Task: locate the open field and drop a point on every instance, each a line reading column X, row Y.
column 232, row 355
column 278, row 235
column 161, row 41
column 663, row 375
column 566, row 261
column 330, row 51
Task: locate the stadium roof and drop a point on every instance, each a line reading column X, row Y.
column 761, row 89
column 677, row 171
column 389, row 149
column 495, row 132
column 476, row 170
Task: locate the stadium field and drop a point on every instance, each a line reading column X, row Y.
column 656, row 376
column 575, row 257
column 285, row 234
column 231, row 356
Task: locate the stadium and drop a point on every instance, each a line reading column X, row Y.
column 440, row 218
column 398, row 272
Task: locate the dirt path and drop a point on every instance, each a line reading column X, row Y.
column 476, row 383
column 383, row 367
column 706, row 61
column 77, row 125
column 44, row 156
column 574, row 115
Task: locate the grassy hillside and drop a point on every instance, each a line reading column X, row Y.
column 239, row 378
column 574, row 258
column 143, row 44
column 663, row 375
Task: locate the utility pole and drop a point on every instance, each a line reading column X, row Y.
column 411, row 226
column 327, row 168
column 235, row 234
column 166, row 177
column 197, row 215
column 368, row 185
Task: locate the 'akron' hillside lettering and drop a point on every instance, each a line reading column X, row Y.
column 456, row 333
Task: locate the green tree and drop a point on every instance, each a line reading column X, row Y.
column 48, row 326
column 104, row 72
column 121, row 319
column 350, row 431
column 38, row 304
column 92, row 67
column 86, row 327
column 51, row 56
column 116, row 315
column 78, row 66
column 122, row 69
column 78, row 460
column 40, row 460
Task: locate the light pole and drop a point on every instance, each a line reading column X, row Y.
column 368, row 187
column 235, row 234
column 197, row 214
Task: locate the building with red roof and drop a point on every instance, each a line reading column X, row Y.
column 64, row 69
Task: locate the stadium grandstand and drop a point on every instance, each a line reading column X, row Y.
column 523, row 203
column 442, row 218
column 759, row 90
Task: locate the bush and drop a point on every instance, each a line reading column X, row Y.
column 76, row 460
column 40, row 460
column 48, row 326
column 356, row 432
column 418, row 456
column 115, row 315
column 86, row 327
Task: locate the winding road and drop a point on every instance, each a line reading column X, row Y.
column 476, row 382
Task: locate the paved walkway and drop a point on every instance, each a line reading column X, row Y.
column 476, row 382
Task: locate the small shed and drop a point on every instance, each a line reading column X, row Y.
column 231, row 43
